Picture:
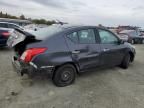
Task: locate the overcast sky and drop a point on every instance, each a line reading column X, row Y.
column 93, row 12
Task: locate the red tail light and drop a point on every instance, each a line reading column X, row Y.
column 30, row 53
column 6, row 34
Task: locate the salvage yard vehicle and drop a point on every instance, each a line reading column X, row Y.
column 62, row 51
column 4, row 34
column 133, row 36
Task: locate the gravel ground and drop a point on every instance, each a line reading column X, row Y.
column 110, row 88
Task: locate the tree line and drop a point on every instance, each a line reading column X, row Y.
column 22, row 17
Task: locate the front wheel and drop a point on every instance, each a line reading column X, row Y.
column 64, row 75
column 126, row 61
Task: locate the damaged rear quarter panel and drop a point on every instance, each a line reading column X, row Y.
column 56, row 54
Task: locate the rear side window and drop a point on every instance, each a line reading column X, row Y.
column 83, row 36
column 87, row 36
column 3, row 25
column 73, row 37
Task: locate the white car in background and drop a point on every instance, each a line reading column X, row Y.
column 34, row 27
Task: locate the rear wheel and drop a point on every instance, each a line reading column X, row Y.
column 126, row 61
column 64, row 75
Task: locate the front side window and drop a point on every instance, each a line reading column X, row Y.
column 107, row 37
column 87, row 36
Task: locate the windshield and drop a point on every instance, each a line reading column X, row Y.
column 46, row 32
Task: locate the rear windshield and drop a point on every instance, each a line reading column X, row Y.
column 44, row 33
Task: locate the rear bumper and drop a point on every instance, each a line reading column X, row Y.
column 29, row 69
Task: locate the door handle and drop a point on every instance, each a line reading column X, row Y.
column 106, row 49
column 76, row 52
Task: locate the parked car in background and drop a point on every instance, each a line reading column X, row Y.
column 133, row 36
column 142, row 33
column 4, row 34
column 10, row 25
column 62, row 51
column 34, row 27
column 124, row 37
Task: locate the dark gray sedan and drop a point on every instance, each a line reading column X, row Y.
column 63, row 51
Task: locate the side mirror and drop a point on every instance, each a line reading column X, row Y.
column 121, row 41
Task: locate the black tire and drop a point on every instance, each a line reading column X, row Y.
column 64, row 75
column 126, row 61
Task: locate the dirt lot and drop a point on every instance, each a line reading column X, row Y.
column 111, row 88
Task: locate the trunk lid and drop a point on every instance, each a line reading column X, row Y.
column 15, row 38
column 19, row 39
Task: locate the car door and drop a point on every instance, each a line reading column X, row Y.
column 84, row 49
column 112, row 51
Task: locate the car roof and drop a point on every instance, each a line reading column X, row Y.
column 68, row 26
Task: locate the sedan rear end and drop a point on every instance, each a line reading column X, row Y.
column 30, row 50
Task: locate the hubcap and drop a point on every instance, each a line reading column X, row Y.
column 65, row 75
